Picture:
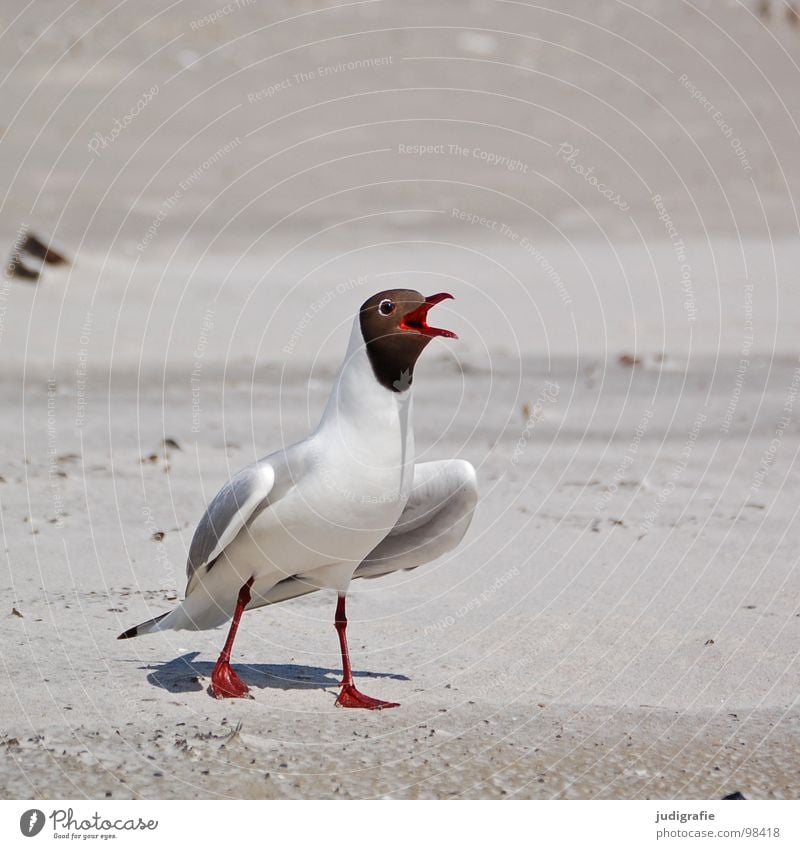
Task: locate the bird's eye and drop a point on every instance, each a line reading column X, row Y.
column 386, row 307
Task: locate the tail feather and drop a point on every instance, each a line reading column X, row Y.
column 145, row 628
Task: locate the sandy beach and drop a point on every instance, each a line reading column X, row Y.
column 623, row 618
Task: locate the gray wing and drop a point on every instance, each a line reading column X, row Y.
column 237, row 503
column 437, row 516
column 434, row 521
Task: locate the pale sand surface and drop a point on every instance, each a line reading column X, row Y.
column 622, row 619
column 562, row 651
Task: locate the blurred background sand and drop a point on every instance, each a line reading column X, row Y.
column 608, row 189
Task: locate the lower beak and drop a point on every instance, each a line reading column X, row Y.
column 417, row 319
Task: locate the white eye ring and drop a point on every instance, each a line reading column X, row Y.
column 386, row 307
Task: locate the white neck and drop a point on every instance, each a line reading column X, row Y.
column 364, row 416
column 356, row 392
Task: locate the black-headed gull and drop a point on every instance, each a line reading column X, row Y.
column 346, row 502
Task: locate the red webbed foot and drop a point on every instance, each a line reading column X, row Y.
column 226, row 684
column 351, row 698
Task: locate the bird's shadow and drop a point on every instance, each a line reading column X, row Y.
column 184, row 674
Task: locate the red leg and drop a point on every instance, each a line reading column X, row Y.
column 349, row 696
column 225, row 683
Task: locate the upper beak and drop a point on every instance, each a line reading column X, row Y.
column 417, row 318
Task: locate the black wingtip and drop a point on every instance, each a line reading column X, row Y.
column 131, row 632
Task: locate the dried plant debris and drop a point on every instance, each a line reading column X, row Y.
column 35, row 247
column 30, row 247
column 16, row 269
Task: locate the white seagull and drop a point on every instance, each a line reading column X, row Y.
column 346, row 502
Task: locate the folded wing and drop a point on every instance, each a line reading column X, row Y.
column 236, row 504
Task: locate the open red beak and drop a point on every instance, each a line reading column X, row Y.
column 418, row 319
